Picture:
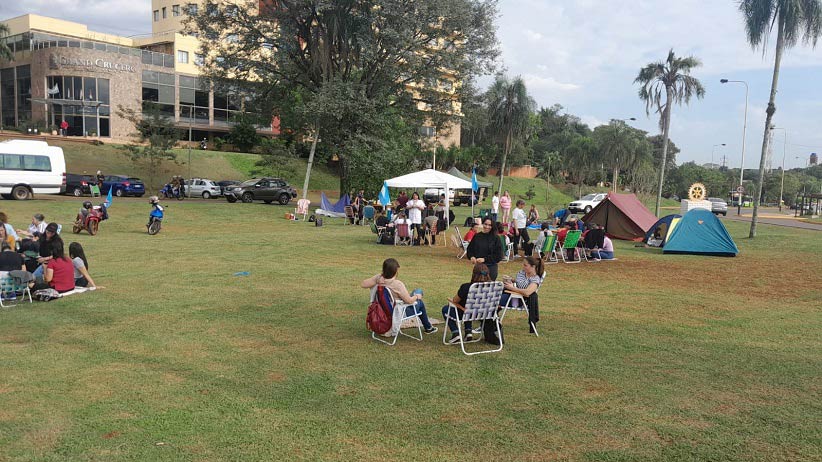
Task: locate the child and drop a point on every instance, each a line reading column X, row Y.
column 156, row 210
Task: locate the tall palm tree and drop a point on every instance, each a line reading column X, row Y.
column 5, row 52
column 619, row 147
column 510, row 109
column 794, row 20
column 672, row 80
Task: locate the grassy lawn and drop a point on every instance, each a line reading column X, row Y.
column 650, row 358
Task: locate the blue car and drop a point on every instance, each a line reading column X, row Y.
column 123, row 186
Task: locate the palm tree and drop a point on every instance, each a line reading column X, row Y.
column 673, row 77
column 619, row 147
column 5, row 52
column 510, row 109
column 793, row 19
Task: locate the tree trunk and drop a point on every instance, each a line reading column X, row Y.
column 665, row 129
column 616, row 175
column 311, row 159
column 780, row 45
column 504, row 158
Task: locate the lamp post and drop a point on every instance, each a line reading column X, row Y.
column 784, row 150
column 744, row 129
column 190, row 118
column 712, row 153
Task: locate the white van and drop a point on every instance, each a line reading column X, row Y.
column 31, row 167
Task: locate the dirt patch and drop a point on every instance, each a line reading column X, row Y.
column 276, row 377
column 111, row 435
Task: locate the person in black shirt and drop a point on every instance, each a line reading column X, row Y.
column 9, row 259
column 486, row 248
column 479, row 274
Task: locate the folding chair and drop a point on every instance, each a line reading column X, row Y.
column 368, row 213
column 481, row 305
column 507, row 249
column 461, row 244
column 13, row 290
column 302, row 207
column 403, row 234
column 549, row 250
column 378, row 230
column 520, row 305
column 350, row 216
column 571, row 240
column 398, row 315
column 434, row 231
column 95, row 190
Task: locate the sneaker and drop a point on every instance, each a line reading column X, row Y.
column 455, row 338
column 469, row 337
column 477, row 330
column 431, row 330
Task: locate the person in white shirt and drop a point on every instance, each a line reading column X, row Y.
column 495, row 206
column 519, row 219
column 415, row 208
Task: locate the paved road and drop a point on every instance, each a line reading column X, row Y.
column 772, row 216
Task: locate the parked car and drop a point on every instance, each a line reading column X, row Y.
column 226, row 183
column 267, row 190
column 79, row 185
column 718, row 206
column 586, row 203
column 122, row 185
column 203, row 187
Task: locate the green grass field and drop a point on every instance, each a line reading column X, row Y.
column 647, row 358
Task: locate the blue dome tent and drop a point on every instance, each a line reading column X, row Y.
column 665, row 228
column 700, row 232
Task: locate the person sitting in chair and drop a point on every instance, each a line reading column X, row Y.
column 526, row 283
column 400, row 222
column 388, row 278
column 479, row 274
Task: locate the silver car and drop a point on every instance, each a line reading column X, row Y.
column 718, row 206
column 202, row 187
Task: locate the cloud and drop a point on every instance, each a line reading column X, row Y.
column 537, row 82
column 533, row 36
column 592, row 121
column 120, row 17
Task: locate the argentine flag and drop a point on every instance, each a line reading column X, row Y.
column 384, row 197
column 107, row 203
column 474, row 184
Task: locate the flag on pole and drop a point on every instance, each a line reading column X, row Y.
column 474, row 184
column 384, row 197
column 108, row 198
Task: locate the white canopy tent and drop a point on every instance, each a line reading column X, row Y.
column 430, row 178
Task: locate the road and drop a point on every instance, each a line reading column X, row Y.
column 772, row 216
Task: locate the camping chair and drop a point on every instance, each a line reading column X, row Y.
column 481, row 305
column 95, row 190
column 434, row 231
column 461, row 244
column 398, row 312
column 368, row 213
column 549, row 250
column 302, row 207
column 350, row 216
column 520, row 304
column 403, row 234
column 13, row 289
column 508, row 249
column 571, row 240
column 378, row 230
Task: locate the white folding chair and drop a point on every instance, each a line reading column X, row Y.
column 302, row 208
column 398, row 316
column 402, row 234
column 12, row 291
column 460, row 243
column 520, row 305
column 481, row 306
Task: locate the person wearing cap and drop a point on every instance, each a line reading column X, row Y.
column 49, row 238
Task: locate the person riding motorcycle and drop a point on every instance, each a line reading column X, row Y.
column 156, row 210
column 84, row 211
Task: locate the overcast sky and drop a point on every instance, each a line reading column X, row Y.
column 584, row 55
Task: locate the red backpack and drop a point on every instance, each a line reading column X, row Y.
column 378, row 319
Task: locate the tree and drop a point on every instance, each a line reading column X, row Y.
column 331, row 68
column 670, row 157
column 154, row 137
column 662, row 85
column 794, row 20
column 580, row 154
column 5, row 51
column 510, row 109
column 621, row 147
column 243, row 134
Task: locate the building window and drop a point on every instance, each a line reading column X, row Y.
column 158, row 88
column 156, row 15
column 175, row 10
column 164, row 13
column 7, row 108
column 182, row 57
column 428, row 132
column 194, row 99
column 199, row 59
column 192, row 9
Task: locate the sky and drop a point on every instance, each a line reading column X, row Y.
column 585, row 54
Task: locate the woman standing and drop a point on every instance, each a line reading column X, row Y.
column 486, row 248
column 505, row 205
column 527, row 283
column 415, row 208
column 80, row 263
column 520, row 223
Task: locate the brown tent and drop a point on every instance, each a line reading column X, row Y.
column 623, row 216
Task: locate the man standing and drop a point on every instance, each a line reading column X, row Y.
column 495, row 206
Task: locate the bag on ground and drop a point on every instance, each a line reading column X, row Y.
column 489, row 332
column 45, row 295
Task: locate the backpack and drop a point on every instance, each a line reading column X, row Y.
column 311, row 219
column 318, row 222
column 489, row 332
column 46, row 295
column 378, row 319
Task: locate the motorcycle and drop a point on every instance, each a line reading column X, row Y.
column 173, row 192
column 91, row 222
column 154, row 225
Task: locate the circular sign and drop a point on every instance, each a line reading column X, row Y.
column 740, row 189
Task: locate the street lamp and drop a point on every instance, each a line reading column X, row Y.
column 784, row 150
column 712, row 153
column 744, row 129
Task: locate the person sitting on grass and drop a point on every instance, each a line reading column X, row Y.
column 36, row 228
column 526, row 283
column 59, row 272
column 479, row 274
column 49, row 238
column 10, row 260
column 80, row 263
column 544, row 232
column 606, row 250
column 6, row 238
column 388, row 278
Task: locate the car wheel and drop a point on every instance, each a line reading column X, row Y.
column 77, row 192
column 284, row 198
column 587, row 208
column 231, row 199
column 248, row 198
column 206, row 195
column 118, row 192
column 21, row 193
